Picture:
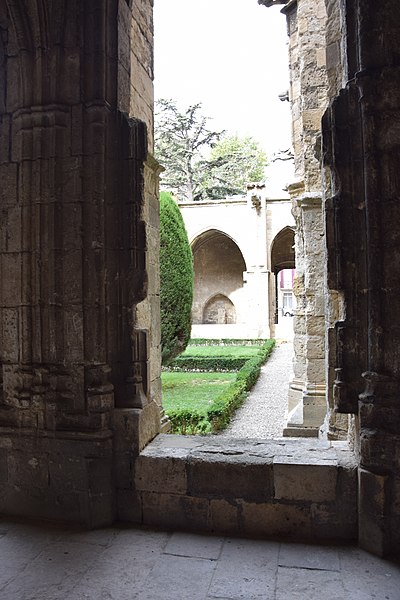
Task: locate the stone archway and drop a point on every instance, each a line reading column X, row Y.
column 219, row 310
column 218, row 281
column 282, row 258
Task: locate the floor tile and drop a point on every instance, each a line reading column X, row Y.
column 113, row 581
column 309, row 557
column 52, row 573
column 308, row 584
column 246, row 569
column 255, row 552
column 197, row 546
column 178, row 578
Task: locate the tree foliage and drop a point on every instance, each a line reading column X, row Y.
column 180, row 140
column 176, row 280
column 234, row 162
column 200, row 163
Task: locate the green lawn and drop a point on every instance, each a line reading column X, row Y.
column 193, row 391
column 228, row 351
column 206, row 384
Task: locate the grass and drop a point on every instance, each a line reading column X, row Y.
column 199, row 399
column 225, row 351
column 193, row 391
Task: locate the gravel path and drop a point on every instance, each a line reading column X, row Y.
column 263, row 413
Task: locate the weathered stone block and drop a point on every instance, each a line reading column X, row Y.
column 225, row 516
column 175, row 511
column 297, row 478
column 162, row 474
column 268, row 520
column 239, row 476
column 134, row 428
column 373, row 533
column 129, row 506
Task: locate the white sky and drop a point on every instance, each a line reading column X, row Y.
column 230, row 55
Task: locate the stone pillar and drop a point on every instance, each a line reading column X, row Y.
column 362, row 149
column 75, row 370
column 307, row 405
column 308, row 96
column 257, row 282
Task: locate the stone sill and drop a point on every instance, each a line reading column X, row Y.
column 296, row 488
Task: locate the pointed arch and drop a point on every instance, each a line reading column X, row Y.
column 282, row 250
column 219, row 310
column 218, row 272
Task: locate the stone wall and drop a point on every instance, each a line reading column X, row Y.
column 250, row 230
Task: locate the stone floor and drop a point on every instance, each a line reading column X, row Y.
column 43, row 563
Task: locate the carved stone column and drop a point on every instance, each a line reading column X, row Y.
column 362, row 144
column 72, row 259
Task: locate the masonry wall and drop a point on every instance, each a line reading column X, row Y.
column 250, row 233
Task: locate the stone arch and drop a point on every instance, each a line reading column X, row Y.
column 219, row 310
column 218, row 270
column 200, row 236
column 282, row 257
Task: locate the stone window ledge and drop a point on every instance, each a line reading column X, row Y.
column 296, row 488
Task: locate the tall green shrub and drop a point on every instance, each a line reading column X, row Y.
column 176, row 280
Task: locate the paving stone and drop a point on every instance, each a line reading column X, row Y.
column 358, row 586
column 53, row 573
column 113, row 581
column 194, row 546
column 130, row 545
column 42, row 563
column 246, row 569
column 178, row 577
column 309, row 584
column 309, row 557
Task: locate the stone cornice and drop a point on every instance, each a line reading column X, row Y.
column 310, row 200
column 287, row 4
column 269, row 3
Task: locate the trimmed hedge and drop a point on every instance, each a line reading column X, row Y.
column 176, row 280
column 222, row 409
column 216, row 358
column 203, row 363
column 188, row 422
column 226, row 342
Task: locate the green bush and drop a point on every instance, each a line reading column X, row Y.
column 185, row 421
column 176, row 280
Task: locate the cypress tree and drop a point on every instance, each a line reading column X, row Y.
column 176, row 280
